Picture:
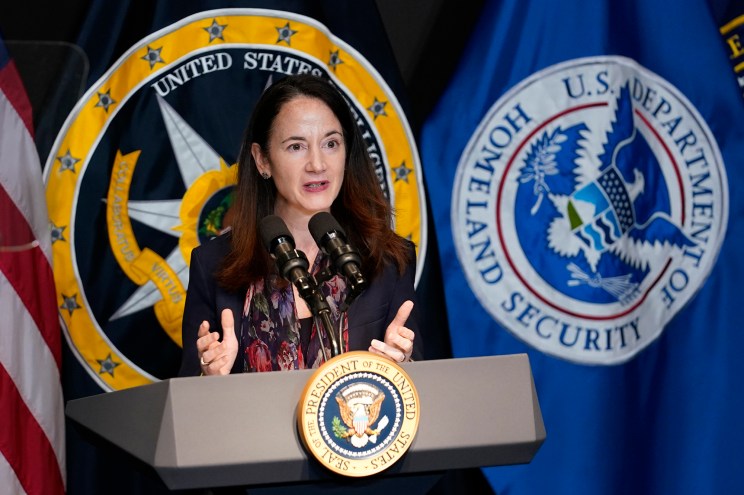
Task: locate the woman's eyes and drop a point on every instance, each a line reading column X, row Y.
column 332, row 144
column 335, row 142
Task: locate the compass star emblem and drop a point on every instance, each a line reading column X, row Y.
column 152, row 178
column 200, row 167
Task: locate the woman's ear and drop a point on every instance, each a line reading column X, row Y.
column 262, row 163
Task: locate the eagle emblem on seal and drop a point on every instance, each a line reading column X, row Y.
column 359, row 406
column 605, row 205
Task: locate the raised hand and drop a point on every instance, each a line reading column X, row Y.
column 215, row 357
column 398, row 344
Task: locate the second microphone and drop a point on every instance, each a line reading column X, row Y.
column 331, row 239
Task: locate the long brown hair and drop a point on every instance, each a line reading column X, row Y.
column 360, row 208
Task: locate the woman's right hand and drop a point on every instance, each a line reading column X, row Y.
column 215, row 357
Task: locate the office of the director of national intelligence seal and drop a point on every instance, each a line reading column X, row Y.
column 589, row 207
column 358, row 414
column 143, row 169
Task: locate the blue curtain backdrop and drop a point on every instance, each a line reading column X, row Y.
column 666, row 417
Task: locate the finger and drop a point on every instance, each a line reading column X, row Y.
column 379, row 347
column 375, row 351
column 218, row 366
column 228, row 324
column 206, row 342
column 403, row 313
column 402, row 343
column 406, row 333
column 213, row 350
column 203, row 329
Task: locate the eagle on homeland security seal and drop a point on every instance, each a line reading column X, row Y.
column 589, row 207
column 358, row 414
column 143, row 170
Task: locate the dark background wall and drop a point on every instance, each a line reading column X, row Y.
column 427, row 38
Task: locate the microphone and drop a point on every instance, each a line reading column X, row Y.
column 331, row 239
column 293, row 265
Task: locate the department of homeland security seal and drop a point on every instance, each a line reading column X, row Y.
column 589, row 206
column 358, row 414
column 142, row 172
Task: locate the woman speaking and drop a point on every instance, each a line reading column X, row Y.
column 301, row 154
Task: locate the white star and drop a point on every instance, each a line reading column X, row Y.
column 67, row 161
column 105, row 100
column 194, row 157
column 153, row 56
column 70, row 303
column 377, row 108
column 215, row 31
column 335, row 60
column 285, row 33
column 107, row 365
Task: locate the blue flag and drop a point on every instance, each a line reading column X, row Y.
column 581, row 167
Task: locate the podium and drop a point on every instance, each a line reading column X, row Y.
column 241, row 430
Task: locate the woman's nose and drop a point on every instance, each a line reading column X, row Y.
column 316, row 163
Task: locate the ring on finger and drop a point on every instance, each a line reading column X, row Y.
column 202, row 362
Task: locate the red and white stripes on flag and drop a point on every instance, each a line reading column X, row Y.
column 32, row 435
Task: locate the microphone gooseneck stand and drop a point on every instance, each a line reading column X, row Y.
column 338, row 333
column 295, row 261
column 322, row 311
column 345, row 259
column 293, row 265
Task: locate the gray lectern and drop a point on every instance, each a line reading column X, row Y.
column 240, row 430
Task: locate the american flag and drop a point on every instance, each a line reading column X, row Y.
column 32, row 435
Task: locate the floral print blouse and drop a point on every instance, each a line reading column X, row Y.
column 273, row 337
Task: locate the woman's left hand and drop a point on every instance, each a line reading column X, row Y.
column 398, row 344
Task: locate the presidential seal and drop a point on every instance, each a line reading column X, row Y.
column 358, row 414
column 589, row 207
column 142, row 172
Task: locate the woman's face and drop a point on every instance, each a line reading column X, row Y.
column 306, row 158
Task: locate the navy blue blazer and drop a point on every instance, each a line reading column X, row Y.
column 369, row 315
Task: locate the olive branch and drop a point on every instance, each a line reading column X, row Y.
column 339, row 431
column 540, row 163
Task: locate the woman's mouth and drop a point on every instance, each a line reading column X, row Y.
column 315, row 186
